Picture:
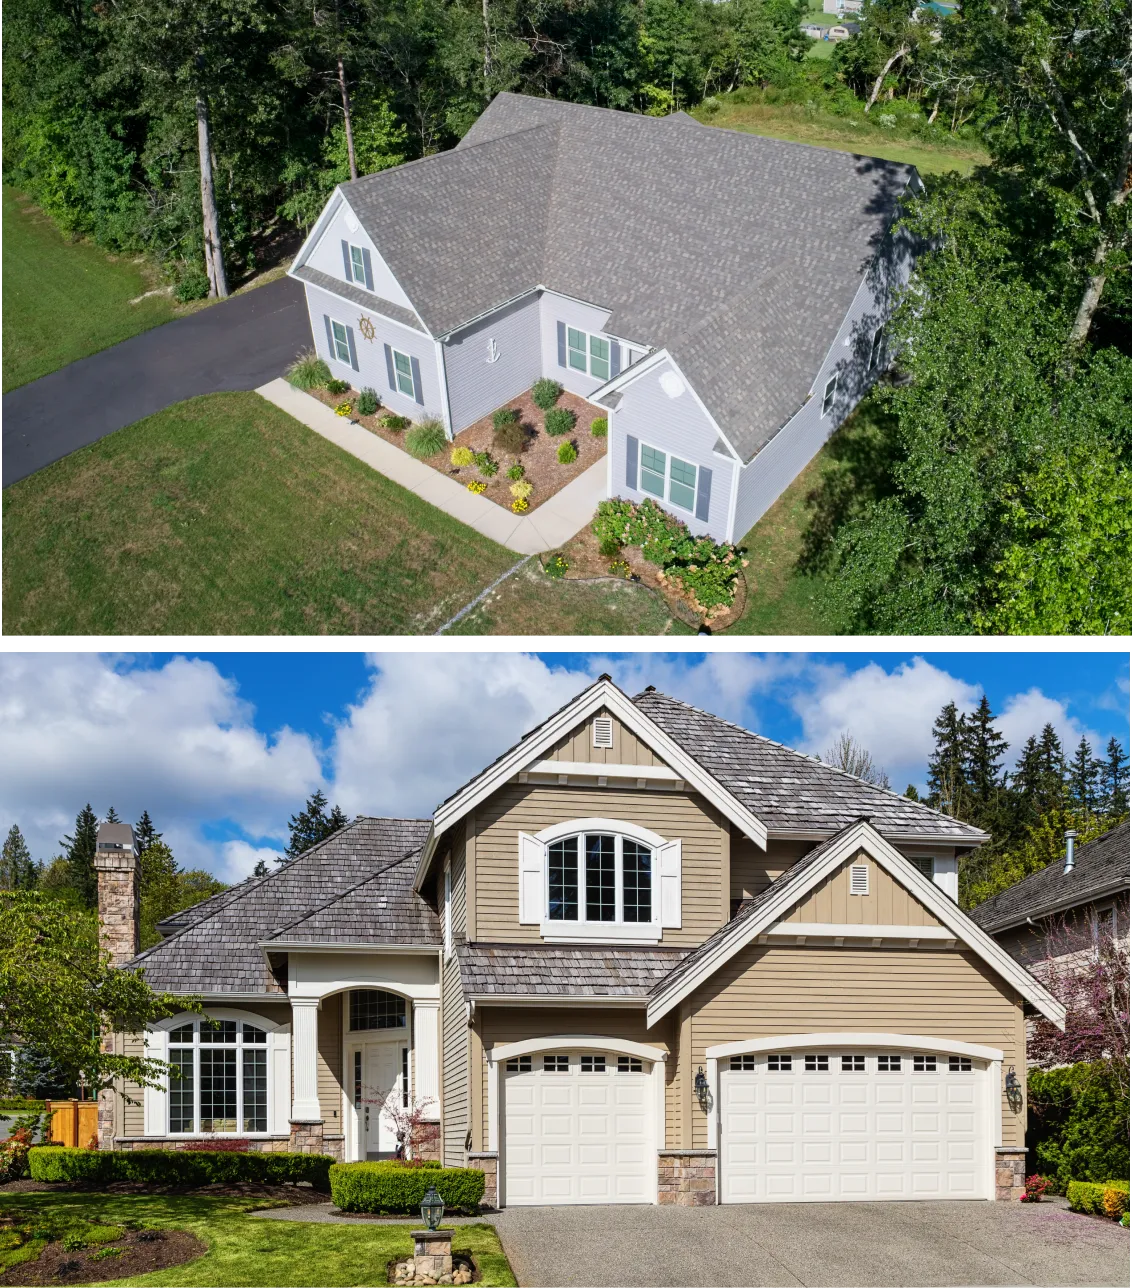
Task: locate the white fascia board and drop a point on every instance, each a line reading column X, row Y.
column 220, row 998
column 309, row 946
column 905, row 838
column 848, row 930
column 862, row 836
column 333, row 204
column 531, row 749
column 556, row 999
column 897, row 1041
column 479, row 317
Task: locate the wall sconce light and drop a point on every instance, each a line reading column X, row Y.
column 1013, row 1090
column 703, row 1091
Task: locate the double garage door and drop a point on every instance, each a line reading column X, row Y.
column 827, row 1125
column 578, row 1129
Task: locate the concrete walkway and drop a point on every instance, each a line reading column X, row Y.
column 551, row 525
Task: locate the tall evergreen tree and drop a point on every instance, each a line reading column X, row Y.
column 1038, row 782
column 80, row 849
column 17, row 869
column 311, row 825
column 947, row 780
column 1114, row 777
column 112, row 816
column 145, row 833
column 1084, row 779
column 984, row 749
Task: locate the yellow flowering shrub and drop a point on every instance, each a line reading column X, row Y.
column 477, row 486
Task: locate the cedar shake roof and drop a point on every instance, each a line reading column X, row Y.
column 1100, row 868
column 516, row 970
column 712, row 244
column 788, row 790
column 222, row 953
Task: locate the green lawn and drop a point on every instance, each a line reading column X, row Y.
column 223, row 515
column 65, row 299
column 247, row 1251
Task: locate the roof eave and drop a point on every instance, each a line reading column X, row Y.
column 342, row 946
column 1078, row 899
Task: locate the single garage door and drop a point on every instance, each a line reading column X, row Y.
column 577, row 1129
column 827, row 1125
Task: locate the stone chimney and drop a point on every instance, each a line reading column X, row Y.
column 116, row 862
column 1070, row 856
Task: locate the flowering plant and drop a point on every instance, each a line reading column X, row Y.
column 344, row 409
column 477, row 486
column 520, row 505
column 1036, row 1186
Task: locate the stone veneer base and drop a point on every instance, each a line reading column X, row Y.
column 685, row 1177
column 488, row 1163
column 1009, row 1173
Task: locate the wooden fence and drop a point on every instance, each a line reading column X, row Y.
column 73, row 1122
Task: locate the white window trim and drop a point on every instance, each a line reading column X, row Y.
column 334, row 341
column 829, row 396
column 447, row 910
column 356, row 264
column 590, row 336
column 667, row 497
column 397, row 374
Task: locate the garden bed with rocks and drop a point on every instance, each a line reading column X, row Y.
column 538, row 456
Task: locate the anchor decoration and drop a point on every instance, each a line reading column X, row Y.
column 492, row 351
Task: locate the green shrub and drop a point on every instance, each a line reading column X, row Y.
column 192, row 284
column 567, row 453
column 73, row 1243
column 186, row 1168
column 515, row 472
column 545, row 393
column 1078, row 1123
column 393, row 1187
column 368, row 402
column 609, row 547
column 394, row 422
column 503, row 417
column 559, row 421
column 426, row 439
column 337, row 386
column 308, row 371
column 488, row 467
column 556, row 566
column 600, row 427
column 510, row 437
column 1099, row 1198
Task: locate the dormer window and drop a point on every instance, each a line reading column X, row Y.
column 603, row 731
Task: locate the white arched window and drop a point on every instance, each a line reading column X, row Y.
column 599, row 879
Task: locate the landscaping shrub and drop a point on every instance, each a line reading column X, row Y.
column 521, row 490
column 1078, row 1125
column 520, row 505
column 545, row 393
column 516, row 471
column 394, row 422
column 510, row 437
column 14, row 1155
column 337, row 386
column 426, row 439
column 567, row 453
column 393, row 1187
column 559, row 421
column 609, row 547
column 185, row 1168
column 477, row 486
column 344, row 409
column 556, row 566
column 308, row 371
column 192, row 284
column 503, row 417
column 488, row 467
column 462, row 456
column 600, row 427
column 368, row 402
column 1035, row 1189
column 1099, row 1198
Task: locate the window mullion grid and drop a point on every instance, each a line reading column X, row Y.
column 618, row 879
column 583, row 889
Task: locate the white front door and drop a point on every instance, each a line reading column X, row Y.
column 379, row 1070
column 577, row 1128
column 839, row 1125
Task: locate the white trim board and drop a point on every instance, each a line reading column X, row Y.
column 848, row 930
column 860, row 836
column 595, row 769
column 816, row 1041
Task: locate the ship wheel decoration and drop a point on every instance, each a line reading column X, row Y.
column 365, row 326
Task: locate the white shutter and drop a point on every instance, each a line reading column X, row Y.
column 279, row 1084
column 155, row 1100
column 531, row 854
column 668, row 869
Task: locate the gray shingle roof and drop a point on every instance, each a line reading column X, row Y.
column 516, row 970
column 1101, row 868
column 788, row 790
column 198, row 911
column 221, row 953
column 738, row 254
column 367, row 299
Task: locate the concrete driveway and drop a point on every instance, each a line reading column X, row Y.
column 857, row 1245
column 240, row 343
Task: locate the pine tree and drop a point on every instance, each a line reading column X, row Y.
column 947, row 783
column 311, row 825
column 911, row 793
column 1038, row 782
column 984, row 748
column 17, row 868
column 80, row 850
column 1084, row 779
column 1114, row 779
column 260, row 869
column 145, row 832
column 112, row 816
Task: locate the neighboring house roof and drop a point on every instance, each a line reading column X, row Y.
column 789, row 790
column 516, row 970
column 222, row 953
column 711, row 244
column 1100, row 868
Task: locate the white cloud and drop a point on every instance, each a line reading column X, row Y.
column 238, row 860
column 176, row 740
column 1027, row 713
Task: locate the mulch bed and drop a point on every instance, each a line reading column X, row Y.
column 587, row 563
column 294, row 1195
column 142, row 1251
column 539, row 457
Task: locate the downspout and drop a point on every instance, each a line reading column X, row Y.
column 445, row 403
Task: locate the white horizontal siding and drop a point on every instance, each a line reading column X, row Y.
column 326, row 256
column 679, row 427
column 477, row 386
column 371, row 353
column 585, row 317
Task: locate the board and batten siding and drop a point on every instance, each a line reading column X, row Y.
column 478, row 383
column 518, row 807
column 765, row 991
column 454, row 1020
column 888, row 903
column 372, row 370
column 326, row 256
column 584, row 317
column 577, row 746
column 678, row 427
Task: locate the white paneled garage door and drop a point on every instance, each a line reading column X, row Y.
column 834, row 1125
column 578, row 1129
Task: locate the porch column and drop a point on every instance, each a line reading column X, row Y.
column 304, row 1029
column 426, row 1055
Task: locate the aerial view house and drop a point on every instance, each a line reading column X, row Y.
column 646, row 956
column 683, row 278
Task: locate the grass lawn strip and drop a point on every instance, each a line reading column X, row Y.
column 66, row 299
column 245, row 1252
column 224, row 515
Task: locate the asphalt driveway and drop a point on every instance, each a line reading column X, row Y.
column 850, row 1244
column 240, row 343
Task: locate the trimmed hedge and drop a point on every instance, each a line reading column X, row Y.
column 1100, row 1198
column 1078, row 1128
column 186, row 1168
column 393, row 1187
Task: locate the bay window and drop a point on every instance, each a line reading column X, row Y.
column 222, row 1088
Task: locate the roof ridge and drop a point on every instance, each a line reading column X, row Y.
column 349, row 890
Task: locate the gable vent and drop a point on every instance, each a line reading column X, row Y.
column 859, row 878
column 603, row 731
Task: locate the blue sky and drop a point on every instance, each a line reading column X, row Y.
column 222, row 747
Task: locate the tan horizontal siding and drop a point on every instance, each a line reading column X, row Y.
column 453, row 1024
column 753, row 868
column 888, row 903
column 530, row 808
column 764, row 991
column 627, row 748
column 330, row 1064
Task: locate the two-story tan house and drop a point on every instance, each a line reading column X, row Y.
column 645, row 956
